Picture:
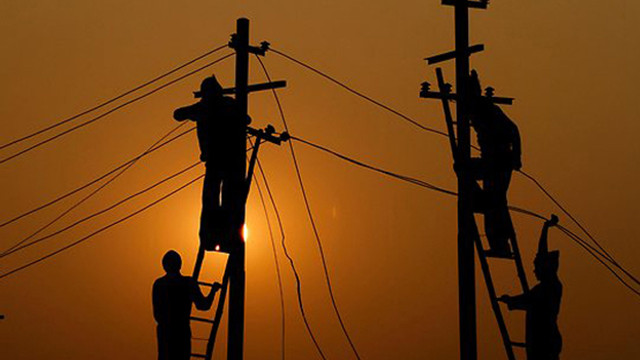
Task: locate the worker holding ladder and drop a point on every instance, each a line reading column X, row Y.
column 542, row 303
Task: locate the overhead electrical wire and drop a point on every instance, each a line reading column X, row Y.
column 310, row 214
column 94, row 192
column 291, row 263
column 277, row 265
column 87, row 237
column 599, row 256
column 110, row 111
column 99, row 178
column 107, row 102
column 100, row 212
column 414, row 122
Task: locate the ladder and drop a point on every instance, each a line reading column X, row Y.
column 445, row 95
column 261, row 135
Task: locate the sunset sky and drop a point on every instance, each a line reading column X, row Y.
column 390, row 246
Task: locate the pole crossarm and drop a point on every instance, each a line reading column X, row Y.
column 268, row 134
column 478, row 4
column 445, row 94
column 258, row 87
column 452, row 54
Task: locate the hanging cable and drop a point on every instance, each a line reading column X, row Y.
column 96, row 118
column 416, row 123
column 310, row 214
column 103, row 104
column 357, row 93
column 98, row 213
column 599, row 256
column 291, row 262
column 94, row 192
column 277, row 265
column 72, row 192
column 85, row 238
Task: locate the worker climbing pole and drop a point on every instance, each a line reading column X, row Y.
column 222, row 126
column 499, row 142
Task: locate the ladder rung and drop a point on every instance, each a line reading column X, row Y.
column 205, row 284
column 491, row 254
column 199, row 356
column 518, row 344
column 201, row 319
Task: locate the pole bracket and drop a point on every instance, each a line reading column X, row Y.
column 477, row 4
column 452, row 54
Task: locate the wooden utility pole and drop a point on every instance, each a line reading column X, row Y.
column 466, row 261
column 235, row 336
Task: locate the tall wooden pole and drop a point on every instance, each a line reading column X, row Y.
column 235, row 338
column 466, row 261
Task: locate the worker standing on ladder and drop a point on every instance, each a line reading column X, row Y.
column 172, row 296
column 221, row 136
column 499, row 141
column 542, row 303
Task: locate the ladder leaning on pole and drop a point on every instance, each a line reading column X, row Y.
column 266, row 135
column 445, row 95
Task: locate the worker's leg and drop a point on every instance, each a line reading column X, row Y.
column 494, row 217
column 211, row 211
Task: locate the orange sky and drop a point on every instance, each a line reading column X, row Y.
column 390, row 246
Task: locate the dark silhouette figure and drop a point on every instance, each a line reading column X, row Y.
column 173, row 295
column 499, row 141
column 542, row 303
column 221, row 136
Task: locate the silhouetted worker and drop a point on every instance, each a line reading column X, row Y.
column 542, row 303
column 500, row 148
column 221, row 136
column 173, row 295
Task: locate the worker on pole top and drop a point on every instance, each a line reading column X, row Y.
column 222, row 139
column 500, row 148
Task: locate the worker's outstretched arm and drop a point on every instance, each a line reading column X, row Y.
column 518, row 302
column 202, row 302
column 186, row 113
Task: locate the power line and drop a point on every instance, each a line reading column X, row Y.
column 277, row 265
column 54, row 253
column 310, row 214
column 602, row 251
column 96, row 118
column 72, row 192
column 414, row 122
column 91, row 194
column 107, row 209
column 291, row 263
column 357, row 93
column 50, row 127
column 590, row 249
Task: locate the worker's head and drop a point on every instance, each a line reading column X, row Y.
column 171, row 262
column 546, row 265
column 210, row 88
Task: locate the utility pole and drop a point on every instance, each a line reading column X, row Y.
column 461, row 147
column 466, row 260
column 235, row 336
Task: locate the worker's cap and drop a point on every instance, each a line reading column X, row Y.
column 549, row 260
column 210, row 86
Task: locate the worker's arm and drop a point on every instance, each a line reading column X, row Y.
column 157, row 303
column 518, row 302
column 186, row 113
column 201, row 302
column 516, row 146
